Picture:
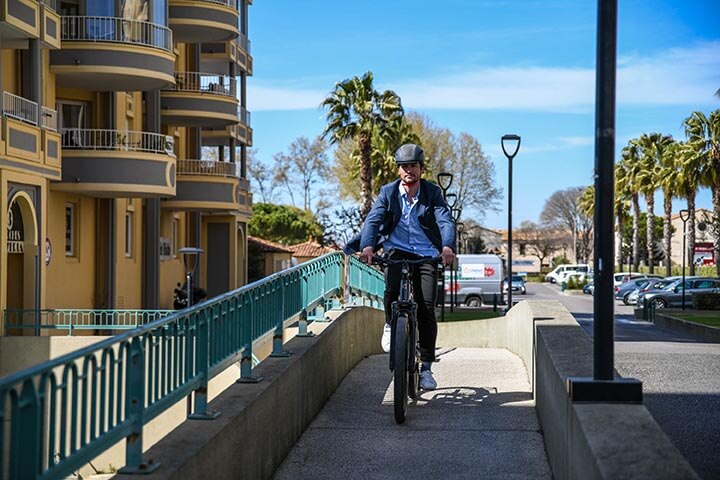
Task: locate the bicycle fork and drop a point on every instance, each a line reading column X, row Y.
column 409, row 309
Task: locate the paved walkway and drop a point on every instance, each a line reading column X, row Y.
column 479, row 423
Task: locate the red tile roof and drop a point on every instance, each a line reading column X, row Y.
column 267, row 245
column 310, row 249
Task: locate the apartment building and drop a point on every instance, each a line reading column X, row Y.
column 124, row 138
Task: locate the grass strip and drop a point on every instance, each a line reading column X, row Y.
column 711, row 319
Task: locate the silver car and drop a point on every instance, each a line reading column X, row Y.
column 672, row 295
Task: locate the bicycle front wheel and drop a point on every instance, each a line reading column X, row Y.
column 400, row 380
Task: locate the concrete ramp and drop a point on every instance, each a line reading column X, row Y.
column 479, row 423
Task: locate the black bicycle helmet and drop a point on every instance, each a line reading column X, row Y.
column 409, row 153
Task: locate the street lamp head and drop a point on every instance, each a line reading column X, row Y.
column 465, row 235
column 451, row 199
column 460, row 227
column 444, row 180
column 684, row 215
column 189, row 254
column 456, row 214
column 510, row 145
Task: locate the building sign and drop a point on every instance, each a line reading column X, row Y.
column 165, row 249
column 476, row 270
column 704, row 254
column 16, row 232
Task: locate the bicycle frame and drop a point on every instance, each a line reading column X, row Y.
column 404, row 304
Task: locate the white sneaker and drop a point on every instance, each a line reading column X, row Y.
column 386, row 336
column 427, row 382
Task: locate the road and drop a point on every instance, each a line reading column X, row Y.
column 680, row 375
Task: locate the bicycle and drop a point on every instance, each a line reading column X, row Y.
column 406, row 370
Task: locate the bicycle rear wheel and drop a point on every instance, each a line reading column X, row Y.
column 400, row 380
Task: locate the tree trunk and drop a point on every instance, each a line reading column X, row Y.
column 636, row 232
column 667, row 232
column 364, row 143
column 716, row 219
column 650, row 240
column 690, row 249
column 619, row 241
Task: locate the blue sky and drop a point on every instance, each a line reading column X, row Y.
column 488, row 67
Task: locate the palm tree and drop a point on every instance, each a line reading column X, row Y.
column 669, row 172
column 652, row 147
column 623, row 194
column 355, row 111
column 687, row 183
column 703, row 137
column 632, row 167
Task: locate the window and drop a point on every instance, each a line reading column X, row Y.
column 70, row 225
column 174, row 240
column 128, row 233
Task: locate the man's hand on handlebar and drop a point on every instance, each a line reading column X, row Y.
column 366, row 255
column 448, row 256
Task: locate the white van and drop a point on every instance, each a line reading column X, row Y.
column 479, row 279
column 556, row 275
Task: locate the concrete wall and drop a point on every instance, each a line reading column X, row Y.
column 583, row 440
column 261, row 422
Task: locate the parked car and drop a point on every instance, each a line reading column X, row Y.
column 554, row 276
column 518, row 284
column 622, row 277
column 589, row 288
column 671, row 295
column 623, row 291
column 653, row 284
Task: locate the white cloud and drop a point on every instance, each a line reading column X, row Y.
column 680, row 76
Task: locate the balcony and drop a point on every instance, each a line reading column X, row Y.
column 30, row 140
column 244, row 131
column 196, row 21
column 208, row 185
column 200, row 100
column 19, row 21
column 113, row 54
column 216, row 56
column 115, row 163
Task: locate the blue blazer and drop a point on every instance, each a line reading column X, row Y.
column 433, row 214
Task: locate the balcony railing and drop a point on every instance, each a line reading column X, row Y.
column 208, row 167
column 72, row 320
column 204, row 83
column 229, row 3
column 49, row 119
column 244, row 115
column 244, row 42
column 20, row 108
column 97, row 139
column 51, row 4
column 119, row 30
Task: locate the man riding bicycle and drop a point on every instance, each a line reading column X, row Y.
column 411, row 220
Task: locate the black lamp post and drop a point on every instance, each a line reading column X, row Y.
column 464, row 237
column 510, row 146
column 684, row 216
column 190, row 255
column 444, row 180
column 459, row 226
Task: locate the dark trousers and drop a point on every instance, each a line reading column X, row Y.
column 424, row 278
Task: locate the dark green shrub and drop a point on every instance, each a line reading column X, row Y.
column 574, row 283
column 706, row 301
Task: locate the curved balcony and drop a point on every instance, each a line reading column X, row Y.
column 116, row 163
column 244, row 130
column 195, row 21
column 209, row 186
column 200, row 100
column 113, row 54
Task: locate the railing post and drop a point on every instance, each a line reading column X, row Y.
column 134, row 409
column 303, row 325
column 202, row 366
column 246, row 373
column 277, row 342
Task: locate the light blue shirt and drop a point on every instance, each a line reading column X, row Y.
column 408, row 234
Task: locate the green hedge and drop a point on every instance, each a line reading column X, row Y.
column 574, row 284
column 706, row 301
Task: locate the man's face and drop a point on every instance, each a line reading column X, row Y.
column 410, row 172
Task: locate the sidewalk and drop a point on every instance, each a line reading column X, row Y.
column 479, row 423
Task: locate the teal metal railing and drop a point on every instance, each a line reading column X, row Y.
column 60, row 414
column 364, row 282
column 104, row 321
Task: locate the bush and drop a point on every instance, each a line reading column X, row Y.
column 706, row 301
column 574, row 283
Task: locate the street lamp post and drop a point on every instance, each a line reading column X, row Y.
column 444, row 180
column 510, row 146
column 190, row 254
column 464, row 237
column 684, row 216
column 459, row 226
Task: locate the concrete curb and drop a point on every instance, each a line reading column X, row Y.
column 705, row 332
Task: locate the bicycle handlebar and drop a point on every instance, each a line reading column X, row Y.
column 419, row 261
